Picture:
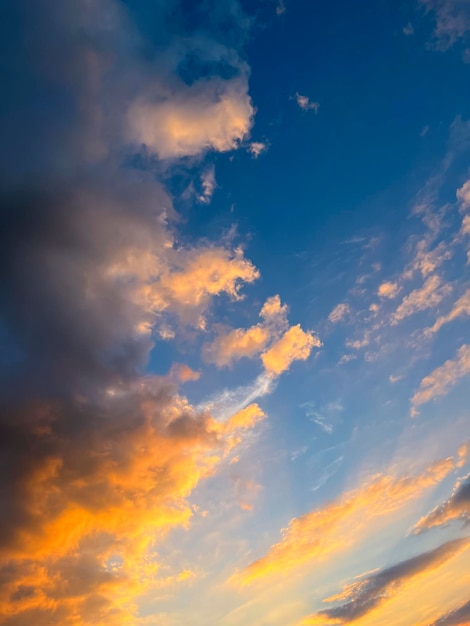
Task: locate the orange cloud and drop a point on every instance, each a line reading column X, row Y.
column 460, row 308
column 388, row 290
column 426, row 297
column 367, row 595
column 335, row 527
column 86, row 517
column 294, row 345
column 443, row 378
column 238, row 343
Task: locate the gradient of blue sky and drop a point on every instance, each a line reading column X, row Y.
column 235, row 306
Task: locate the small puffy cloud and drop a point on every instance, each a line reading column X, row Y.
column 339, row 313
column 388, row 290
column 443, row 378
column 306, row 104
column 296, row 344
column 185, row 374
column 281, row 7
column 455, row 509
column 463, row 196
column 256, row 148
column 331, row 529
column 461, row 308
column 214, row 114
column 426, row 297
column 208, row 185
column 370, row 591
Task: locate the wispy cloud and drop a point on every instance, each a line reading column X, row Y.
column 370, row 591
column 443, row 378
column 306, row 104
column 336, row 526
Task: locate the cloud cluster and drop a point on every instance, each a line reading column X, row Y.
column 277, row 344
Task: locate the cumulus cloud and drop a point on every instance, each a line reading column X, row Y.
column 455, row 509
column 215, row 114
column 272, row 339
column 295, row 345
column 369, row 592
column 335, row 527
column 388, row 290
column 428, row 296
column 443, row 378
column 235, row 344
column 98, row 457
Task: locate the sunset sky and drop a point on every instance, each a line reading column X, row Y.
column 235, row 313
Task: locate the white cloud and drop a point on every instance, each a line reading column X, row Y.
column 214, row 114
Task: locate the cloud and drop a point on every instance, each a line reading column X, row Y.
column 306, row 104
column 460, row 308
column 457, row 617
column 208, row 185
column 388, row 290
column 426, row 297
column 98, row 457
column 235, row 344
column 295, row 345
column 339, row 313
column 215, row 114
column 443, row 378
column 455, row 509
column 452, row 21
column 370, row 591
column 463, row 196
column 408, row 29
column 256, row 148
column 335, row 527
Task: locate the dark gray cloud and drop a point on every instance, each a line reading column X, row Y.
column 368, row 593
column 455, row 509
column 92, row 450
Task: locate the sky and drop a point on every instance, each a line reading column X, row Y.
column 234, row 313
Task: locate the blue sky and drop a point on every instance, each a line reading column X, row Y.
column 234, row 313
